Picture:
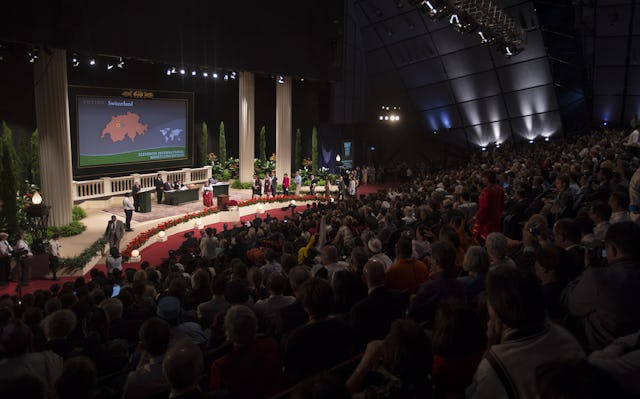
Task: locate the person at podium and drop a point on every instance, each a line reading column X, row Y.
column 207, row 195
column 136, row 197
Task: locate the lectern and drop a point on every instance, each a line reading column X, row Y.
column 144, row 200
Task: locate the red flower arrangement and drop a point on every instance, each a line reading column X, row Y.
column 145, row 236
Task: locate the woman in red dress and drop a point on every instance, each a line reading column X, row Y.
column 207, row 195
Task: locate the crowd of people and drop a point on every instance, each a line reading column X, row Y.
column 516, row 275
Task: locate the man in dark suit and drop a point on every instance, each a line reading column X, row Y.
column 114, row 232
column 135, row 190
column 159, row 187
column 372, row 316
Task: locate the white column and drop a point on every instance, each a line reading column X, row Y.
column 52, row 116
column 247, row 125
column 283, row 127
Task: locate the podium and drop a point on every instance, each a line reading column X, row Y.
column 144, row 201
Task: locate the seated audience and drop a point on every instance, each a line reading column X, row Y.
column 323, row 341
column 182, row 367
column 397, row 367
column 253, row 369
column 147, row 380
column 604, row 300
column 459, row 342
column 520, row 338
column 373, row 315
column 476, row 263
column 406, row 273
column 440, row 286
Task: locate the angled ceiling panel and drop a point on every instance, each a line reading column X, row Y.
column 442, row 118
column 385, row 82
column 489, row 133
column 608, row 80
column 423, row 73
column 432, row 25
column 607, row 108
column 539, row 125
column 613, row 21
column 429, row 97
column 476, row 86
column 611, row 50
column 490, row 109
column 633, row 86
column 447, row 40
column 525, row 75
column 467, row 62
column 413, row 50
column 400, row 28
column 531, row 101
column 379, row 61
column 370, row 39
column 535, row 49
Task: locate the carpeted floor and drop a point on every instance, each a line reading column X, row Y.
column 155, row 252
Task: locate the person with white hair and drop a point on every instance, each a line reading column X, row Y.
column 375, row 247
column 497, row 248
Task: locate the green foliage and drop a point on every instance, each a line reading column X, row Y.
column 204, row 142
column 314, row 149
column 78, row 213
column 35, row 157
column 8, row 177
column 261, row 167
column 263, row 144
column 239, row 185
column 297, row 160
column 86, row 255
column 23, row 162
column 222, row 143
column 72, row 229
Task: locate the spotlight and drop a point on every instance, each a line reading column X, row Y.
column 605, row 123
column 33, row 55
column 233, row 74
column 173, row 70
column 484, row 148
column 381, row 117
column 109, row 67
column 205, row 74
column 546, row 139
column 120, row 63
column 497, row 145
column 435, row 132
column 92, row 61
column 226, row 77
column 215, row 75
column 386, row 118
column 531, row 141
column 302, row 79
column 75, row 62
column 168, row 72
column 193, row 73
column 182, row 71
column 280, row 79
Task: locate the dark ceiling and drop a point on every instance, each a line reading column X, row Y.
column 301, row 38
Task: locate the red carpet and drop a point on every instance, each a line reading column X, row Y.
column 155, row 252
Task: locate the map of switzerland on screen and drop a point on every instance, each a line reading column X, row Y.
column 113, row 130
